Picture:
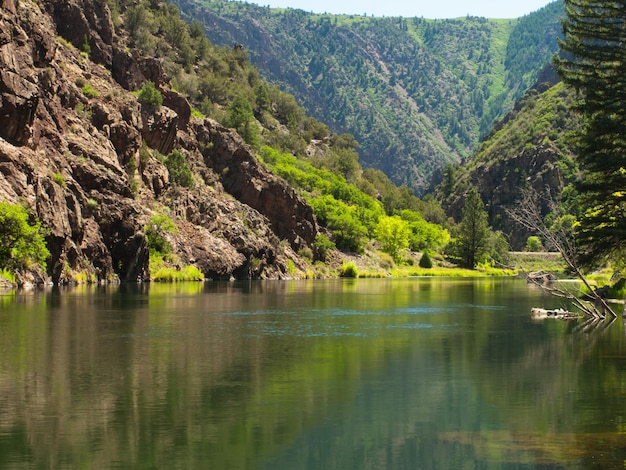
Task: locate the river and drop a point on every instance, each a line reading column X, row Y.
column 325, row 374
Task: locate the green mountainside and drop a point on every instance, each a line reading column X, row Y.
column 531, row 147
column 416, row 93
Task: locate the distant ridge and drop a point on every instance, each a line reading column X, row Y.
column 417, row 94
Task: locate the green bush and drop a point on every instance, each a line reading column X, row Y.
column 150, row 94
column 533, row 244
column 22, row 242
column 425, row 261
column 180, row 173
column 156, row 229
column 89, row 91
column 323, row 246
column 59, row 179
column 349, row 270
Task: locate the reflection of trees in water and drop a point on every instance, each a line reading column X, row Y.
column 156, row 375
column 548, row 401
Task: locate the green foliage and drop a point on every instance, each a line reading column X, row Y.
column 393, row 234
column 431, row 91
column 179, row 172
column 241, row 118
column 533, row 244
column 425, row 261
column 89, row 91
column 8, row 275
column 499, row 250
column 85, row 47
column 323, row 246
column 343, row 220
column 156, row 229
column 150, row 94
column 291, row 268
column 160, row 271
column 349, row 270
column 423, row 234
column 473, row 231
column 22, row 242
column 350, row 214
column 59, row 179
column 592, row 63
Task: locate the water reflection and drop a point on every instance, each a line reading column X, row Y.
column 419, row 373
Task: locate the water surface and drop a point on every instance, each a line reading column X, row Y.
column 336, row 374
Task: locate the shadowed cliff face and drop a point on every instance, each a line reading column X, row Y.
column 84, row 160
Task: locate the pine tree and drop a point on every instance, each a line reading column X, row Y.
column 593, row 63
column 474, row 233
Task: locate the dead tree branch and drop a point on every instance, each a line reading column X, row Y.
column 559, row 236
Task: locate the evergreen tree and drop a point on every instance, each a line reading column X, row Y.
column 593, row 63
column 474, row 231
column 241, row 118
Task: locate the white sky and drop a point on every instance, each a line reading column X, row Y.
column 409, row 8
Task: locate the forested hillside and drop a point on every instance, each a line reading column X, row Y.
column 416, row 93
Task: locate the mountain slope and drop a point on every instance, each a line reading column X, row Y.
column 416, row 93
column 530, row 148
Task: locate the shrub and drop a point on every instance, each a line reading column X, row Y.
column 349, row 270
column 323, row 246
column 59, row 179
column 89, row 91
column 156, row 229
column 533, row 244
column 21, row 243
column 150, row 94
column 85, row 47
column 425, row 261
column 306, row 253
column 180, row 173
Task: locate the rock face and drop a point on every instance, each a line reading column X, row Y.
column 86, row 163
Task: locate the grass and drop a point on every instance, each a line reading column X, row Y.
column 8, row 275
column 89, row 91
column 413, row 271
column 185, row 274
column 160, row 271
column 59, row 179
column 537, row 261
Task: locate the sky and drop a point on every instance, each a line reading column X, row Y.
column 409, row 8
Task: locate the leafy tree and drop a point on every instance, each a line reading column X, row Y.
column 21, row 241
column 499, row 249
column 423, row 234
column 393, row 234
column 592, row 62
column 474, row 231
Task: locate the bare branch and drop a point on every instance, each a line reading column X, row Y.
column 559, row 236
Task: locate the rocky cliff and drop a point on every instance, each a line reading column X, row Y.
column 85, row 156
